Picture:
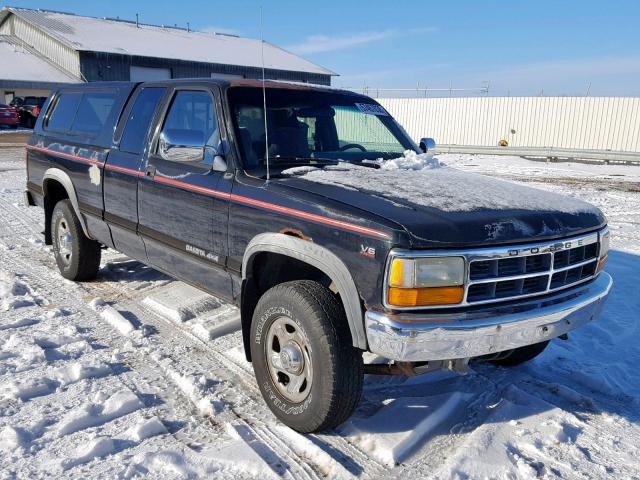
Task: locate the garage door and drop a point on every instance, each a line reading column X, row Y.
column 142, row 74
column 226, row 76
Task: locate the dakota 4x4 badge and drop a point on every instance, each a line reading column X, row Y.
column 202, row 253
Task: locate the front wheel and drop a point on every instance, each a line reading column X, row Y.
column 309, row 373
column 77, row 256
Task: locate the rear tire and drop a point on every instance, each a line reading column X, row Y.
column 77, row 256
column 308, row 371
column 521, row 355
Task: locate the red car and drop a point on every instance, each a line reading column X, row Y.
column 9, row 116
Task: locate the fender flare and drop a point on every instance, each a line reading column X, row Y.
column 63, row 178
column 322, row 259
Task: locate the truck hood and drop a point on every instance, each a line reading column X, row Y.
column 447, row 208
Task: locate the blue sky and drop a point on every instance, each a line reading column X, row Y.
column 520, row 48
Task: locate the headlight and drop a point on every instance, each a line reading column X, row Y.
column 604, row 248
column 425, row 281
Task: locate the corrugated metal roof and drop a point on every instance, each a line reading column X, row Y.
column 122, row 37
column 18, row 63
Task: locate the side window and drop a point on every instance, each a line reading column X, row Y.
column 192, row 115
column 135, row 131
column 64, row 111
column 93, row 111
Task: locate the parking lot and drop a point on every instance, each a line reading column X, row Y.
column 130, row 375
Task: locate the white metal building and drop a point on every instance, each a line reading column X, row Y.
column 555, row 124
column 39, row 48
column 24, row 72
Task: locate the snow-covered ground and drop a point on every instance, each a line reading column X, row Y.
column 12, row 130
column 136, row 375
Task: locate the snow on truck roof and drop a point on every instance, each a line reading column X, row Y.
column 126, row 38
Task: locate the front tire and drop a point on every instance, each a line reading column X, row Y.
column 77, row 256
column 309, row 373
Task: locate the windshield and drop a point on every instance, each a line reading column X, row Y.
column 311, row 126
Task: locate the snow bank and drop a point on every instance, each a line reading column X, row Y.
column 162, row 464
column 147, row 428
column 421, row 180
column 80, row 370
column 245, row 457
column 514, row 439
column 98, row 413
column 399, row 427
column 117, row 321
column 12, row 438
column 27, row 389
column 96, row 448
column 14, row 293
column 96, row 304
column 180, row 302
column 111, row 316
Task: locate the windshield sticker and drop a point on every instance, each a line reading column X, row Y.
column 371, row 109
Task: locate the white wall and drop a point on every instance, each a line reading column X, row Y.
column 63, row 56
column 599, row 123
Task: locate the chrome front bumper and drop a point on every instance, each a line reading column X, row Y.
column 426, row 336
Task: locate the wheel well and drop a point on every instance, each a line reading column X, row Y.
column 266, row 270
column 54, row 191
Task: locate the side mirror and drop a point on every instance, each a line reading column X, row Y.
column 215, row 156
column 428, row 145
column 223, row 148
column 181, row 145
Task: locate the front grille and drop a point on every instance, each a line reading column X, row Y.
column 499, row 274
column 530, row 270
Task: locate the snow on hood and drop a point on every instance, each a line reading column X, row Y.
column 423, row 180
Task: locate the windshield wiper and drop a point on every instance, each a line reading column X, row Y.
column 293, row 159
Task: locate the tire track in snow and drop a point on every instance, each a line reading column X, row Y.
column 48, row 391
column 244, row 408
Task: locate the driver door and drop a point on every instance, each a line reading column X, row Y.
column 183, row 228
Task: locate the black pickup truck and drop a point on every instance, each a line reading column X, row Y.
column 296, row 219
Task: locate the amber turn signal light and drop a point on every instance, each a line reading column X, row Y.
column 419, row 297
column 601, row 263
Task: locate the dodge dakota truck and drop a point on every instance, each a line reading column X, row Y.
column 276, row 197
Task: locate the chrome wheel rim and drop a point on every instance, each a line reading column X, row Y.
column 64, row 241
column 288, row 357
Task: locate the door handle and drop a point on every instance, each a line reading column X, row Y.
column 150, row 171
